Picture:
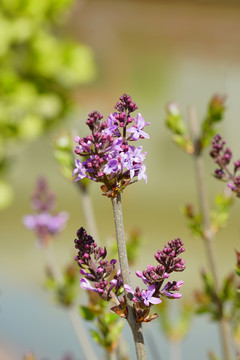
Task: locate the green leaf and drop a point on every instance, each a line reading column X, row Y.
column 6, row 195
column 215, row 113
column 219, row 216
column 228, row 289
column 237, row 269
column 174, row 119
column 86, row 313
column 96, row 337
column 115, row 332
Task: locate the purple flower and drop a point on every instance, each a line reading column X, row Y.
column 168, row 289
column 136, row 130
column 80, row 170
column 109, row 158
column 140, row 274
column 230, row 185
column 145, row 296
column 128, row 289
column 223, row 156
column 85, row 284
column 94, row 267
column 112, row 128
column 45, row 224
column 43, row 199
column 113, row 166
column 142, row 173
column 133, row 161
column 148, row 297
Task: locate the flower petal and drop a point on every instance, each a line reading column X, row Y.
column 85, row 284
column 128, row 289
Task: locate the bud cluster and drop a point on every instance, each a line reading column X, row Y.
column 43, row 199
column 154, row 277
column 108, row 157
column 222, row 156
column 95, row 268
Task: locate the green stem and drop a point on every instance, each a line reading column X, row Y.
column 174, row 350
column 207, row 233
column 122, row 253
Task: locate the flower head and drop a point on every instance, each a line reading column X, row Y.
column 144, row 296
column 108, row 157
column 94, row 267
column 45, row 224
column 154, row 278
column 170, row 287
column 222, row 156
column 98, row 276
column 136, row 130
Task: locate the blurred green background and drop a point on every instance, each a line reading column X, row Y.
column 59, row 60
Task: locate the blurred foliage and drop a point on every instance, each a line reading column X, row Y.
column 29, row 356
column 218, row 216
column 220, row 301
column 215, row 112
column 63, row 153
column 39, row 69
column 65, row 292
column 195, row 222
column 108, row 326
column 238, row 263
column 177, row 327
column 174, row 121
column 212, row 356
column 225, row 304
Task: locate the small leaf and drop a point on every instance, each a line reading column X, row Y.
column 6, row 195
column 86, row 313
column 96, row 337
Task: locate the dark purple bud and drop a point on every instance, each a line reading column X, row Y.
column 236, row 165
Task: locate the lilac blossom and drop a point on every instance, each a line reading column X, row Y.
column 112, row 166
column 109, row 159
column 79, row 170
column 154, row 278
column 43, row 199
column 168, row 289
column 45, row 224
column 136, row 130
column 85, row 284
column 99, row 276
column 222, row 156
column 144, row 296
column 112, row 128
column 94, row 267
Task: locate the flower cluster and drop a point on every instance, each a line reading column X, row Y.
column 154, row 278
column 44, row 223
column 108, row 157
column 95, row 268
column 222, row 156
